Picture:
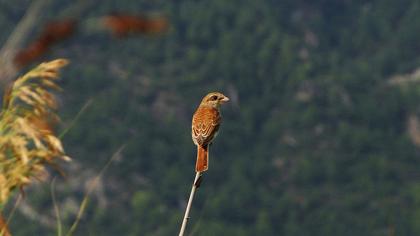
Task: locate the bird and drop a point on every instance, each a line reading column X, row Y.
column 205, row 125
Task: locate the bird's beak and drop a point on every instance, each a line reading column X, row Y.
column 224, row 99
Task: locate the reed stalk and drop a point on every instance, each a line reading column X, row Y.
column 195, row 186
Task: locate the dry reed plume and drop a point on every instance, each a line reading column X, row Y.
column 27, row 138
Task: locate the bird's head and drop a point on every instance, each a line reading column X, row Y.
column 214, row 99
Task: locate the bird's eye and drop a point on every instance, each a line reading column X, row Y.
column 213, row 98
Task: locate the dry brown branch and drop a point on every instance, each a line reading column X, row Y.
column 123, row 25
column 53, row 32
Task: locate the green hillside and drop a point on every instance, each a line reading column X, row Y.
column 315, row 141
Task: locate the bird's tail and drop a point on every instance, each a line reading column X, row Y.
column 202, row 163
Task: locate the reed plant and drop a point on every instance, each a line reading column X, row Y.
column 28, row 141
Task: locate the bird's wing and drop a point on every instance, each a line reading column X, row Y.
column 205, row 124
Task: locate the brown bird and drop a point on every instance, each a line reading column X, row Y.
column 205, row 124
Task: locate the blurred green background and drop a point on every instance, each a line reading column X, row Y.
column 317, row 138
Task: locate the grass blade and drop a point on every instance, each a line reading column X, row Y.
column 76, row 118
column 56, row 209
column 84, row 203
